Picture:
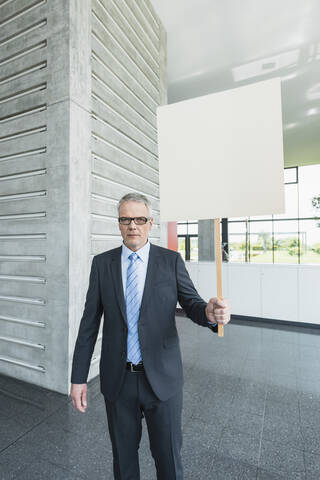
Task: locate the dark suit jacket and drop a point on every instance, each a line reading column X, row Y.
column 167, row 281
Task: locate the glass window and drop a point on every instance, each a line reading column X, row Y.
column 188, row 240
column 192, row 229
column 194, row 249
column 182, row 229
column 309, row 234
column 291, row 175
column 237, row 241
column 241, row 219
column 260, row 242
column 309, row 191
column 286, row 242
column 291, row 202
column 182, row 247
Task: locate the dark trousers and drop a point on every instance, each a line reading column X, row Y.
column 163, row 419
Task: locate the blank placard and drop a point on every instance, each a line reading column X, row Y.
column 221, row 155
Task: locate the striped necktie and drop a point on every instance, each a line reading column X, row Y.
column 133, row 309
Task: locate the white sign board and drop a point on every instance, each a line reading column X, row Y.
column 221, row 155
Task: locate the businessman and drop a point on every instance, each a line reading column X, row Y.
column 136, row 286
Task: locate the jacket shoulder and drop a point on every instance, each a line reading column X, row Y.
column 165, row 251
column 101, row 257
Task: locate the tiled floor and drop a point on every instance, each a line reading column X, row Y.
column 251, row 411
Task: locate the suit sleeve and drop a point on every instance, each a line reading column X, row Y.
column 189, row 299
column 88, row 330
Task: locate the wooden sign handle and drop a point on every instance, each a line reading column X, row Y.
column 218, row 266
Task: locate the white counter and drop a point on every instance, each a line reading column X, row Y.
column 280, row 292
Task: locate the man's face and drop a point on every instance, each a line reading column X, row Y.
column 134, row 236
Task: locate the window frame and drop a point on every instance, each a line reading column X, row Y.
column 187, row 237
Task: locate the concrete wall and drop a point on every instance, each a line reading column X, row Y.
column 126, row 39
column 34, row 175
column 206, row 240
column 77, row 130
column 128, row 83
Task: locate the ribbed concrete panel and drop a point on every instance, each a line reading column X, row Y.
column 128, row 69
column 33, row 192
column 23, row 189
column 104, row 113
column 106, row 77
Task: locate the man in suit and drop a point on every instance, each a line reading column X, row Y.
column 137, row 286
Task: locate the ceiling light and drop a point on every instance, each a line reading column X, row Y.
column 312, row 111
column 290, row 126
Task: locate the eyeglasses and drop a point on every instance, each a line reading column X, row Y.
column 137, row 220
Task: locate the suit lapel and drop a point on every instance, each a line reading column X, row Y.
column 150, row 276
column 117, row 280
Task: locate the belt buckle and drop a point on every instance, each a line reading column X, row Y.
column 131, row 367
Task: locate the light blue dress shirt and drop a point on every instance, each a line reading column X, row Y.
column 142, row 264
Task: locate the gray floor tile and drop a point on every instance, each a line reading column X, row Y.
column 285, row 381
column 249, row 424
column 199, row 433
column 265, row 475
column 309, row 405
column 283, row 432
column 288, row 410
column 312, row 463
column 311, row 438
column 9, row 406
column 282, row 459
column 240, row 446
column 226, row 468
column 308, row 386
column 10, row 431
column 39, row 470
column 280, row 394
column 254, row 404
column 246, row 402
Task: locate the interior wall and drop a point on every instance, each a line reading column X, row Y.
column 128, row 60
column 34, row 176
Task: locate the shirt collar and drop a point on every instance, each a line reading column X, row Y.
column 143, row 252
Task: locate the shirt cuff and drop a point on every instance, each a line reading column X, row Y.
column 212, row 323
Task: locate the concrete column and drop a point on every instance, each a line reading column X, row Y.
column 163, row 101
column 79, row 167
column 206, row 244
column 34, row 174
column 80, row 82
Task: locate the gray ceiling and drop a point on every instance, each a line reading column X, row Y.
column 221, row 44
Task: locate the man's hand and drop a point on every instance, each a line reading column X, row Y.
column 218, row 311
column 79, row 396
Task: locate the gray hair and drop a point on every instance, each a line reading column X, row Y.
column 135, row 197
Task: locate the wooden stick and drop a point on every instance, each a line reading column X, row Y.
column 218, row 266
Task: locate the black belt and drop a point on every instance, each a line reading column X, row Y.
column 135, row 368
